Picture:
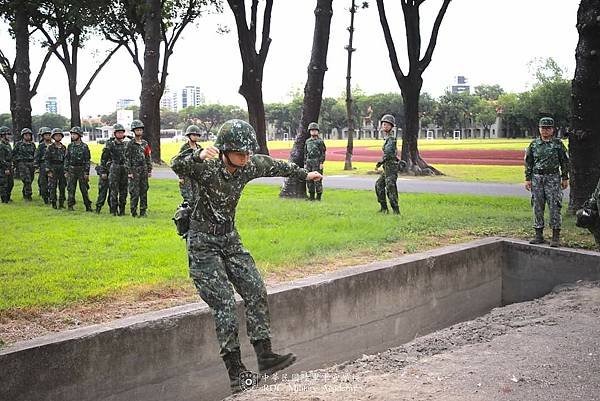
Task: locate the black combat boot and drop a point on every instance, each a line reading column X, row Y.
column 46, row 201
column 98, row 209
column 319, row 195
column 539, row 236
column 61, row 204
column 143, row 213
column 237, row 372
column 88, row 207
column 268, row 361
column 555, row 242
column 134, row 213
column 311, row 196
column 70, row 208
column 54, row 205
column 384, row 208
column 396, row 209
column 27, row 198
column 113, row 211
column 121, row 210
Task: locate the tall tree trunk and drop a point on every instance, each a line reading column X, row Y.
column 350, row 118
column 313, row 94
column 584, row 141
column 22, row 106
column 251, row 90
column 151, row 88
column 73, row 97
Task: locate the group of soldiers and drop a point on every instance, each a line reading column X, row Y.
column 124, row 167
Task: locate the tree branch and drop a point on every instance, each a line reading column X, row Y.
column 253, row 21
column 266, row 40
column 390, row 43
column 33, row 90
column 434, row 34
column 95, row 74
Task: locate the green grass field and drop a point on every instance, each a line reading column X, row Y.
column 56, row 258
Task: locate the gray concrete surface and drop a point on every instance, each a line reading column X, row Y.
column 338, row 316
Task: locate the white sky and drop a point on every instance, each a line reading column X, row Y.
column 490, row 42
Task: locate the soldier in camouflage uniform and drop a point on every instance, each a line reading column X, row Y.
column 139, row 168
column 55, row 159
column 588, row 216
column 40, row 164
column 103, row 187
column 23, row 156
column 113, row 161
column 77, row 169
column 386, row 183
column 6, row 165
column 187, row 186
column 546, row 175
column 314, row 157
column 217, row 257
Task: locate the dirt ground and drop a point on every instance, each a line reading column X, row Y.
column 547, row 349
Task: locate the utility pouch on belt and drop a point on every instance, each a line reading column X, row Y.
column 182, row 218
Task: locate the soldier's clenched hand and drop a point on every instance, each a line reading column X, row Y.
column 564, row 184
column 314, row 176
column 104, row 176
column 209, row 153
column 6, row 172
column 528, row 185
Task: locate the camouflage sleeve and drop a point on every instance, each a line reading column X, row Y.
column 528, row 163
column 105, row 158
column 389, row 150
column 305, row 152
column 15, row 152
column 37, row 157
column 128, row 150
column 266, row 166
column 564, row 161
column 87, row 156
column 324, row 154
column 67, row 160
column 188, row 163
column 148, row 156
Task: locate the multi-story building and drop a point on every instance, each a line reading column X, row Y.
column 123, row 103
column 52, row 105
column 178, row 99
column 460, row 85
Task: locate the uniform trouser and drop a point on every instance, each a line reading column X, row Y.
column 7, row 182
column 188, row 188
column 314, row 186
column 216, row 263
column 545, row 188
column 77, row 176
column 117, row 182
column 138, row 188
column 57, row 180
column 43, row 182
column 386, row 184
column 102, row 191
column 26, row 171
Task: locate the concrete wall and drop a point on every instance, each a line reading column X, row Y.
column 173, row 354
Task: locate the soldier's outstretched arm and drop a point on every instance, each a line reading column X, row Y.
column 192, row 162
column 266, row 166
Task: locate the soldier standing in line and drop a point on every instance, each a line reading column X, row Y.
column 55, row 159
column 386, row 183
column 139, row 169
column 187, row 186
column 77, row 170
column 40, row 164
column 215, row 251
column 314, row 157
column 546, row 175
column 23, row 156
column 6, row 165
column 113, row 161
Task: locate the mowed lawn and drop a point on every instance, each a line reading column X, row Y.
column 56, row 258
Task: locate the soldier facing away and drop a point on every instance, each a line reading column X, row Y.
column 546, row 175
column 23, row 159
column 139, row 168
column 40, row 164
column 77, row 169
column 187, row 186
column 113, row 161
column 6, row 165
column 217, row 256
column 386, row 183
column 54, row 157
column 314, row 157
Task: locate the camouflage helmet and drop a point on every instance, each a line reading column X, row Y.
column 546, row 122
column 76, row 130
column 57, row 131
column 118, row 127
column 236, row 136
column 388, row 118
column 192, row 129
column 313, row 125
column 136, row 124
column 45, row 130
column 4, row 130
column 26, row 131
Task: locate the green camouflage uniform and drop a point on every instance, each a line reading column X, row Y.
column 138, row 163
column 23, row 157
column 545, row 163
column 77, row 166
column 40, row 164
column 6, row 164
column 54, row 157
column 314, row 156
column 113, row 161
column 594, row 204
column 386, row 183
column 187, row 186
column 216, row 255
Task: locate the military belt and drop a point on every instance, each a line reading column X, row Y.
column 211, row 228
column 77, row 165
column 545, row 171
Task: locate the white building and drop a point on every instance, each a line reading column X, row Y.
column 123, row 103
column 52, row 105
column 169, row 99
column 177, row 99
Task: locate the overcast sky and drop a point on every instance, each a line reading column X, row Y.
column 488, row 41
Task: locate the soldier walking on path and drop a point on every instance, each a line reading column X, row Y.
column 55, row 159
column 77, row 169
column 139, row 168
column 23, row 156
column 113, row 161
column 386, row 183
column 40, row 164
column 314, row 157
column 217, row 257
column 6, row 165
column 187, row 186
column 546, row 175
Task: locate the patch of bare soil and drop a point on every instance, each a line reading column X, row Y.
column 546, row 349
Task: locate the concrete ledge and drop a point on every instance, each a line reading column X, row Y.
column 173, row 354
